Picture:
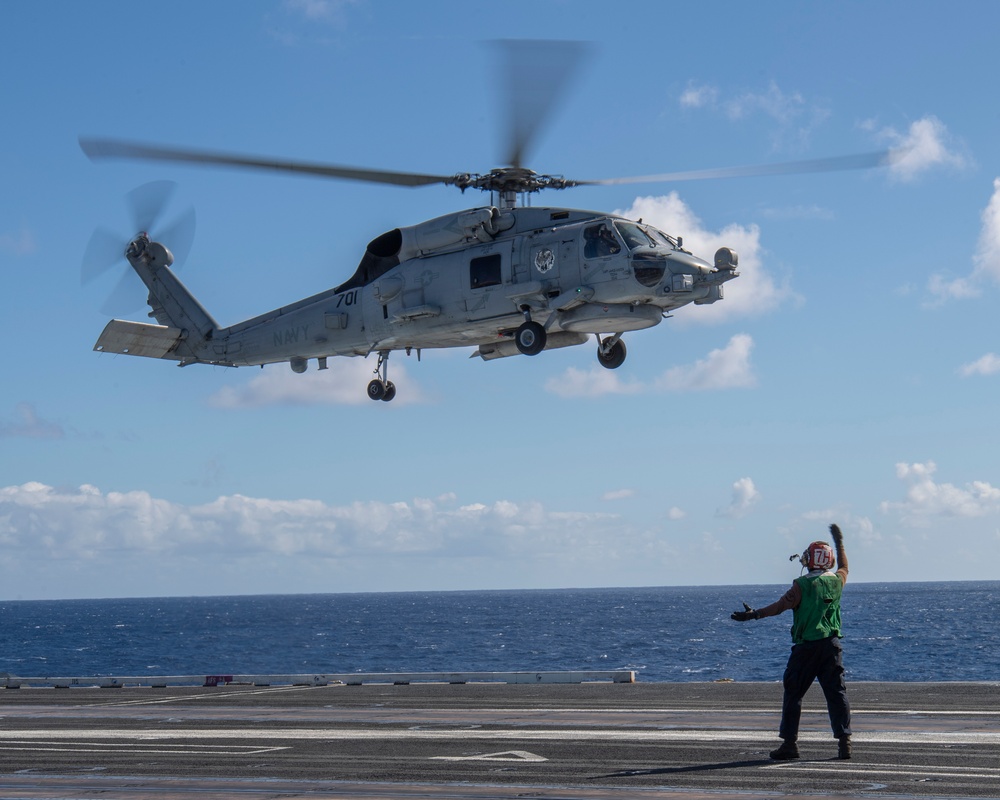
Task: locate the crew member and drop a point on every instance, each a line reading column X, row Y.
column 816, row 652
column 600, row 242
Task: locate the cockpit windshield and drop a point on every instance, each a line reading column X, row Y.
column 663, row 238
column 636, row 235
column 633, row 235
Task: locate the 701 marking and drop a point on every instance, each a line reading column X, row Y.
column 347, row 298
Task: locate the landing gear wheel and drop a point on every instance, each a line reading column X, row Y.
column 615, row 355
column 530, row 338
column 381, row 388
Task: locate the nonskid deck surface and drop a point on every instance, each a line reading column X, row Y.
column 497, row 741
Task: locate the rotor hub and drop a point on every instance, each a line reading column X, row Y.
column 507, row 180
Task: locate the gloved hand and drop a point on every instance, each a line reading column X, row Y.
column 747, row 614
column 838, row 537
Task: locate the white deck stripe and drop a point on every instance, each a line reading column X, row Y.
column 519, row 734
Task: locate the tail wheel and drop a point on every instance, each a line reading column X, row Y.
column 530, row 338
column 611, row 357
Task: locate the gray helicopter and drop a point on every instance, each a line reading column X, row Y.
column 506, row 278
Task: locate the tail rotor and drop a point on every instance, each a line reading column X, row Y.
column 105, row 251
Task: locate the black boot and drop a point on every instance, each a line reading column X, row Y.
column 844, row 746
column 789, row 749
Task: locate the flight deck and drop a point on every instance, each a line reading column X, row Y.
column 491, row 740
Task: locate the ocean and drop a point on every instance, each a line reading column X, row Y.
column 892, row 632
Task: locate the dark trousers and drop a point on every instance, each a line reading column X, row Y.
column 822, row 660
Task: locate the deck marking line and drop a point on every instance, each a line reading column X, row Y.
column 880, row 771
column 506, row 755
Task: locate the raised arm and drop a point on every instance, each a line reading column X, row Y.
column 838, row 541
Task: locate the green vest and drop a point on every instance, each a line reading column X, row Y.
column 818, row 613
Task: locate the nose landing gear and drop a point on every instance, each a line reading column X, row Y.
column 611, row 351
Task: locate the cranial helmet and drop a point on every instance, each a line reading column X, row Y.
column 818, row 555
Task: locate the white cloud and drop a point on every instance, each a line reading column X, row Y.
column 753, row 293
column 796, row 118
column 926, row 498
column 88, row 524
column 745, row 496
column 985, row 261
column 57, row 542
column 944, row 288
column 723, row 368
column 84, row 542
column 987, row 258
column 593, row 382
column 989, row 364
column 780, row 106
column 618, row 494
column 866, row 530
column 699, row 96
column 925, row 145
column 343, row 383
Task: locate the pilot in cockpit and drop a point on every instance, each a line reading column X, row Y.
column 600, row 242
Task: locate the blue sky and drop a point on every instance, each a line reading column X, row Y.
column 849, row 375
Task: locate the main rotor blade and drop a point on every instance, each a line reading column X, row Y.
column 880, row 158
column 536, row 74
column 97, row 149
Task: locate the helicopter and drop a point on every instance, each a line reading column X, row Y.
column 506, row 278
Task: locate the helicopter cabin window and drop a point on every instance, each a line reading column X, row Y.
column 485, row 271
column 599, row 241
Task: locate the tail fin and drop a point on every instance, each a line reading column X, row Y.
column 184, row 323
column 170, row 299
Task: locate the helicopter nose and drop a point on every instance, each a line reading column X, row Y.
column 685, row 263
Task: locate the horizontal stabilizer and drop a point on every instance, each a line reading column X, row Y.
column 139, row 339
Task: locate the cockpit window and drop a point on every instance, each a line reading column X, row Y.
column 634, row 235
column 599, row 241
